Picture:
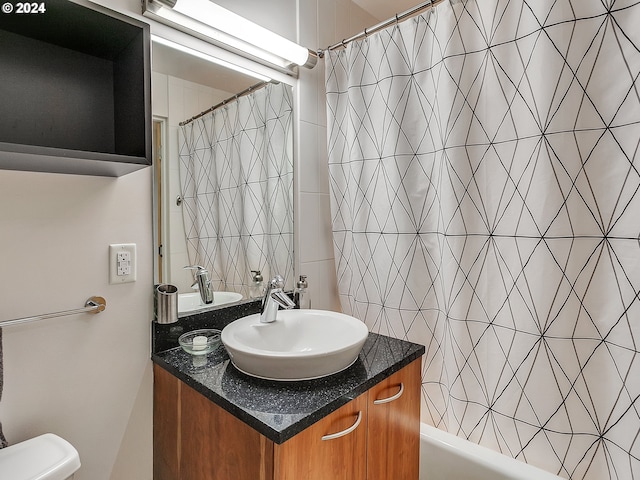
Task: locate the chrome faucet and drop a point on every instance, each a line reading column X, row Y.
column 274, row 297
column 204, row 283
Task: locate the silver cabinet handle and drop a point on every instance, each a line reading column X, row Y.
column 392, row 398
column 333, row 436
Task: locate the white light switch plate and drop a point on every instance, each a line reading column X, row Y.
column 122, row 263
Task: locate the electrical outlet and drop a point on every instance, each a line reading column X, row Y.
column 122, row 263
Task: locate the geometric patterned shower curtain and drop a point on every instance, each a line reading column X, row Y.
column 236, row 170
column 484, row 163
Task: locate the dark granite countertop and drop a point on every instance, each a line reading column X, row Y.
column 278, row 410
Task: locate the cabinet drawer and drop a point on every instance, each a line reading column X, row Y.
column 332, row 449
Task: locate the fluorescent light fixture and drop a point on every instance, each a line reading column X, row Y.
column 223, row 26
column 209, row 58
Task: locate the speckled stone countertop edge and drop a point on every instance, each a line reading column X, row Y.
column 282, row 436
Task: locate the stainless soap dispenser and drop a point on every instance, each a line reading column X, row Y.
column 256, row 288
column 301, row 293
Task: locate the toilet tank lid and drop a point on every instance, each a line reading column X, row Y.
column 47, row 457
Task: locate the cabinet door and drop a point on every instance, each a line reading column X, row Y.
column 195, row 439
column 215, row 445
column 394, row 426
column 332, row 449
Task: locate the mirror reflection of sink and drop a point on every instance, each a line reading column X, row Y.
column 299, row 345
column 190, row 302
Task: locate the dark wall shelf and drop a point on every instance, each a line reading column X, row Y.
column 74, row 91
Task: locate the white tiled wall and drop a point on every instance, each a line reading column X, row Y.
column 321, row 23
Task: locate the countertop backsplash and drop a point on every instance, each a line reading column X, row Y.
column 165, row 336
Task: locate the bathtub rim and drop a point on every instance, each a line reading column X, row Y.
column 484, row 456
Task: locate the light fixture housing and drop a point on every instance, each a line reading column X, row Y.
column 196, row 53
column 223, row 28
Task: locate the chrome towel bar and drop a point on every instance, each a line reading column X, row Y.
column 93, row 305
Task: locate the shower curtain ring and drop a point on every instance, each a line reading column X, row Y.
column 398, row 20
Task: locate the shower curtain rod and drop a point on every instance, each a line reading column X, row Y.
column 387, row 23
column 233, row 98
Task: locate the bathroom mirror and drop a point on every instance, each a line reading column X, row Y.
column 216, row 199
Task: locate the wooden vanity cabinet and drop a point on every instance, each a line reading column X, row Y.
column 377, row 437
column 193, row 438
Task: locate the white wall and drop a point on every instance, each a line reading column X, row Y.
column 88, row 378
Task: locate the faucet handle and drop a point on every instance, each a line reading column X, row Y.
column 195, row 267
column 274, row 297
column 277, row 282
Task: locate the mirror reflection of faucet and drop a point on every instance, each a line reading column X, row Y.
column 274, row 297
column 204, row 283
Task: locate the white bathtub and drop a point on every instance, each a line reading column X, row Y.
column 446, row 457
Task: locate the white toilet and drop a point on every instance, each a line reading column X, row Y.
column 47, row 457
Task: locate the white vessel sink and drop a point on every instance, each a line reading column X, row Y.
column 299, row 345
column 191, row 302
